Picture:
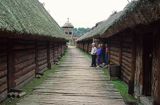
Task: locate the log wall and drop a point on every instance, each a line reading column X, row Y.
column 41, row 56
column 127, row 56
column 3, row 69
column 114, row 50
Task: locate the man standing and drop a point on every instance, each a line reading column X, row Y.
column 93, row 53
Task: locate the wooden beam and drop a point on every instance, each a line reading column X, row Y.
column 48, row 55
column 10, row 67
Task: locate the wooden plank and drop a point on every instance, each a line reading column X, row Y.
column 19, row 53
column 25, row 71
column 3, row 59
column 24, row 58
column 117, row 54
column 24, row 77
column 3, row 87
column 3, row 73
column 3, row 66
column 127, row 59
column 41, row 67
column 125, row 65
column 128, row 64
column 128, row 72
column 23, row 47
column 3, row 80
column 129, row 55
column 42, row 62
column 24, row 64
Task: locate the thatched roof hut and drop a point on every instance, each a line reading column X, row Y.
column 27, row 17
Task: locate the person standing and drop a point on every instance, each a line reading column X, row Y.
column 99, row 55
column 93, row 53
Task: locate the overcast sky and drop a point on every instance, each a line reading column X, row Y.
column 82, row 13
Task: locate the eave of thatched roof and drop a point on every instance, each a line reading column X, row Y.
column 142, row 12
column 28, row 16
column 101, row 27
column 135, row 13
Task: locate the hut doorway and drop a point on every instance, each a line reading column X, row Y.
column 147, row 64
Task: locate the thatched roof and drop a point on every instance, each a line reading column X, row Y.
column 27, row 16
column 135, row 13
column 101, row 27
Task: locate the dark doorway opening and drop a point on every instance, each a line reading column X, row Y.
column 147, row 64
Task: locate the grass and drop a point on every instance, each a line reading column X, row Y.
column 119, row 85
column 28, row 88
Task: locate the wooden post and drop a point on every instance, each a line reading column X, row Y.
column 10, row 66
column 131, row 81
column 48, row 55
column 36, row 57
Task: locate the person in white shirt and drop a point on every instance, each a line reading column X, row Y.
column 93, row 53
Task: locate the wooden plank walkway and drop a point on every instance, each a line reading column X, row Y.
column 75, row 83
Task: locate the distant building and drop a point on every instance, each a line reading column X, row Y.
column 68, row 30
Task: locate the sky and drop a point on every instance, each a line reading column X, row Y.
column 82, row 13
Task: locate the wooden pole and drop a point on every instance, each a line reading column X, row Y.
column 48, row 55
column 10, row 66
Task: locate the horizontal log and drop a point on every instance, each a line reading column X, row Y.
column 125, row 79
column 21, row 53
column 24, row 77
column 24, row 64
column 112, row 48
column 3, row 53
column 127, row 39
column 128, row 72
column 113, row 53
column 128, row 50
column 127, row 59
column 3, row 80
column 24, row 58
column 125, row 76
column 3, row 59
column 42, row 67
column 126, row 63
column 3, row 66
column 42, row 51
column 3, row 73
column 114, row 57
column 3, row 87
column 42, row 62
column 129, row 55
column 126, row 67
column 42, row 47
column 114, row 61
column 3, row 46
column 22, row 47
column 41, row 58
column 25, row 71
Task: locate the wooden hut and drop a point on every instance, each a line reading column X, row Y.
column 29, row 38
column 134, row 44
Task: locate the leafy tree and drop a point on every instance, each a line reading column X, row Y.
column 80, row 31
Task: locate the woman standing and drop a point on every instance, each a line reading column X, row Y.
column 93, row 54
column 99, row 55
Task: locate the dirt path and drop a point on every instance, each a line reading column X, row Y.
column 75, row 83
